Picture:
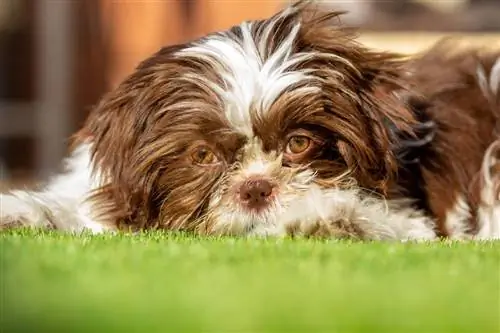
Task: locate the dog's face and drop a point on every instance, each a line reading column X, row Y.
column 225, row 134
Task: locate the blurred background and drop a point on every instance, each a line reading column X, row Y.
column 57, row 57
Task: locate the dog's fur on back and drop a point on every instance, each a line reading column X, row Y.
column 286, row 126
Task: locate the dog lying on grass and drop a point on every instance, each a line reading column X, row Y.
column 286, row 126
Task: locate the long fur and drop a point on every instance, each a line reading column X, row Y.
column 396, row 148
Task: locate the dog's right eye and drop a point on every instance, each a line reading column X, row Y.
column 204, row 156
column 298, row 144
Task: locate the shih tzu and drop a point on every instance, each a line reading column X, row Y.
column 286, row 126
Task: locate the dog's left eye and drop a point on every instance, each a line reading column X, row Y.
column 298, row 144
column 204, row 156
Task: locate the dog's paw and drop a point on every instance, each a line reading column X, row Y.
column 337, row 228
column 15, row 212
column 10, row 222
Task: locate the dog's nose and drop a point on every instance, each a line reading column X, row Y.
column 255, row 193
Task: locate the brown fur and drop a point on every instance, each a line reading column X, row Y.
column 143, row 134
column 465, row 122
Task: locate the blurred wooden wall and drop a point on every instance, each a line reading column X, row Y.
column 136, row 29
column 110, row 38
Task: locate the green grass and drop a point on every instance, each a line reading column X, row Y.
column 167, row 283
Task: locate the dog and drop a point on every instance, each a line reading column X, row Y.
column 286, row 126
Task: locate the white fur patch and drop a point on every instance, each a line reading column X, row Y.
column 377, row 219
column 457, row 219
column 489, row 84
column 250, row 81
column 495, row 77
column 489, row 208
column 482, row 81
column 61, row 204
column 253, row 79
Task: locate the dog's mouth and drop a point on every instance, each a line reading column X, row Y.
column 260, row 210
column 274, row 219
column 234, row 219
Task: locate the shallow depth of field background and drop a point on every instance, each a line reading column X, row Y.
column 57, row 57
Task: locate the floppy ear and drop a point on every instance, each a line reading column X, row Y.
column 362, row 85
column 116, row 130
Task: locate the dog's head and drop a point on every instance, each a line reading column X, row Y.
column 224, row 134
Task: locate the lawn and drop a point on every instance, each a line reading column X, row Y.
column 158, row 282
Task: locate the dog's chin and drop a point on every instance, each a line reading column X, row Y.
column 326, row 212
column 274, row 220
column 233, row 219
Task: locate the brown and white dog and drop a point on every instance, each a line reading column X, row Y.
column 286, row 126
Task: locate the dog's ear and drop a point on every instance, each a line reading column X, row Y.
column 121, row 129
column 374, row 75
column 367, row 80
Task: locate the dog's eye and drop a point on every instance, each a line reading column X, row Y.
column 298, row 144
column 204, row 156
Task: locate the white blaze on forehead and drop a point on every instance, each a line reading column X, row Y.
column 250, row 82
column 252, row 78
